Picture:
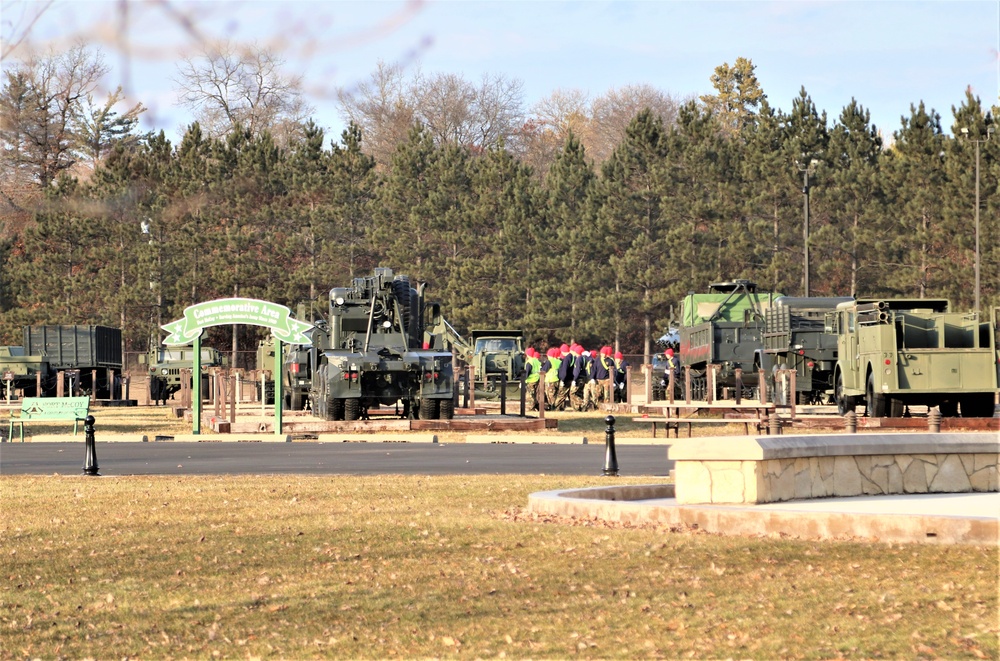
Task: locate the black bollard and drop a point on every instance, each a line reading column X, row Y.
column 90, row 461
column 503, row 393
column 610, row 457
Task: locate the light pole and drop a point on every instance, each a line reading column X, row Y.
column 806, row 170
column 978, row 141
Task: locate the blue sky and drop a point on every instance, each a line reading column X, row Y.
column 885, row 54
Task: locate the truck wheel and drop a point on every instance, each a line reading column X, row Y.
column 295, row 401
column 977, row 406
column 429, row 409
column 447, row 409
column 948, row 409
column 876, row 400
column 896, row 407
column 352, row 408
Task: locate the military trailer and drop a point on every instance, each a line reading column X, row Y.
column 372, row 354
column 895, row 353
column 723, row 328
column 164, row 365
column 82, row 351
column 796, row 338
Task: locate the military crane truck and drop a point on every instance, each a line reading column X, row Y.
column 494, row 355
column 796, row 338
column 723, row 327
column 894, row 353
column 33, row 368
column 372, row 354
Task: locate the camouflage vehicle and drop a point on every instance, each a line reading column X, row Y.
column 296, row 373
column 164, row 365
column 372, row 354
column 796, row 338
column 723, row 327
column 893, row 353
column 48, row 350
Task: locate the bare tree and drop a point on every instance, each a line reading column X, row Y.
column 552, row 119
column 382, row 108
column 458, row 112
column 232, row 85
column 613, row 111
column 452, row 109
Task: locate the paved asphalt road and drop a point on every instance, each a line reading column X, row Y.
column 329, row 458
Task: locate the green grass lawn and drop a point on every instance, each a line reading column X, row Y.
column 401, row 566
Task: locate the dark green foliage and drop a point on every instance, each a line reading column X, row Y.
column 598, row 258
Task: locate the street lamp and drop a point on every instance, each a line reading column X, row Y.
column 806, row 170
column 978, row 141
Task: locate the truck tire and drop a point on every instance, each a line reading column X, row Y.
column 876, row 400
column 401, row 292
column 447, row 409
column 352, row 408
column 429, row 409
column 977, row 405
column 896, row 407
column 295, row 400
column 948, row 409
column 845, row 404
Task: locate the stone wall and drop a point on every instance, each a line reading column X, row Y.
column 766, row 471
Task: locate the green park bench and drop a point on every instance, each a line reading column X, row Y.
column 48, row 408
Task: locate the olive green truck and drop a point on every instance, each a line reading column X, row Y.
column 895, row 353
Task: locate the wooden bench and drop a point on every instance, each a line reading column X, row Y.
column 48, row 408
column 675, row 423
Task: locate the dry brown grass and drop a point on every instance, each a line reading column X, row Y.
column 399, row 566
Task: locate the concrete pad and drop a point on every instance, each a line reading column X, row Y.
column 377, row 438
column 922, row 518
column 529, row 439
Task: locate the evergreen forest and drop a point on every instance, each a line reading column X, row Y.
column 597, row 251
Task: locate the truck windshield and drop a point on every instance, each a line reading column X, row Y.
column 496, row 344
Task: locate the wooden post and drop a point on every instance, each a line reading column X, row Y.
column 93, row 384
column 235, row 380
column 647, row 370
column 792, row 394
column 761, row 386
column 60, row 387
column 739, row 385
column 687, row 384
column 628, row 385
column 472, row 387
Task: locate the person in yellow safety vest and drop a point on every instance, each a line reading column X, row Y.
column 533, row 373
column 552, row 379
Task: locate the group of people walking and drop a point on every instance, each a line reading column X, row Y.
column 573, row 377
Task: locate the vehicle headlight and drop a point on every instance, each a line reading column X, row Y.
column 164, row 371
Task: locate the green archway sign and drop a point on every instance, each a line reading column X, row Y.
column 225, row 312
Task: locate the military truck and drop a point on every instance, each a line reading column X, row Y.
column 723, row 327
column 33, row 368
column 796, row 338
column 372, row 354
column 895, row 353
column 296, row 373
column 494, row 355
column 164, row 365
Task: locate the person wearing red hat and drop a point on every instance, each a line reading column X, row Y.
column 577, row 377
column 532, row 376
column 566, row 377
column 552, row 379
column 621, row 377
